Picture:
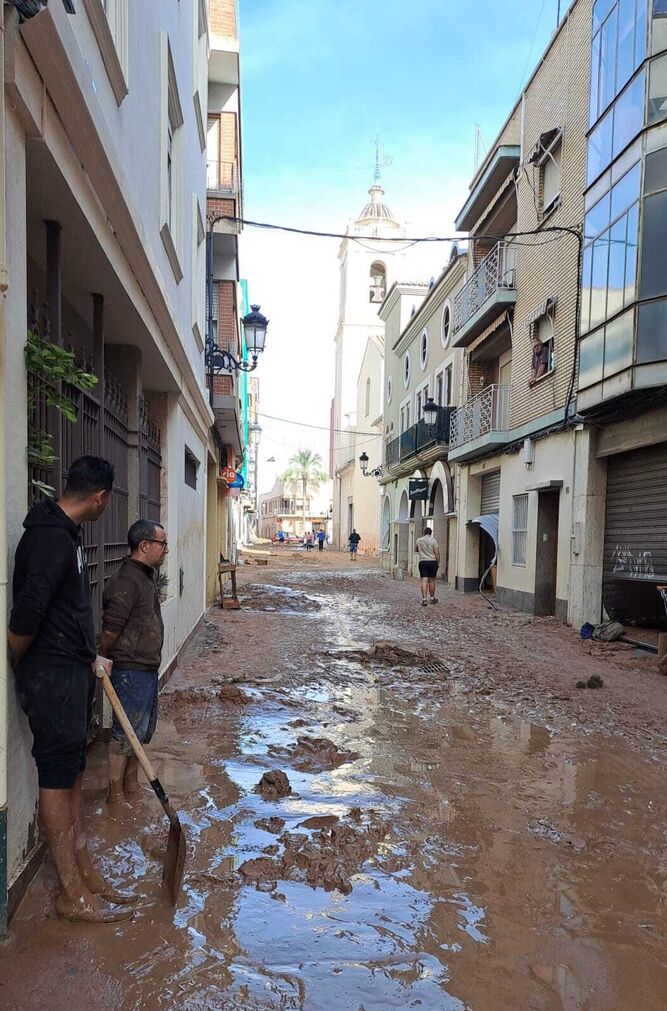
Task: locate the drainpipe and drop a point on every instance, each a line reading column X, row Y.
column 4, row 282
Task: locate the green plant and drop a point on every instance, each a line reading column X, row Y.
column 50, row 365
column 162, row 582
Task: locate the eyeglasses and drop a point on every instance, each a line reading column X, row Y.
column 154, row 540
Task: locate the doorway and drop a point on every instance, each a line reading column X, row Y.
column 546, row 556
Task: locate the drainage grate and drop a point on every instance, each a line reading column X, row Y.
column 433, row 668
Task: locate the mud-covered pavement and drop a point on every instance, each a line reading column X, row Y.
column 457, row 826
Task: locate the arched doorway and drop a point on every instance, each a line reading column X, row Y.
column 416, row 530
column 400, row 547
column 385, row 526
column 439, row 523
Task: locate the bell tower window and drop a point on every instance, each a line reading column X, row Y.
column 378, row 284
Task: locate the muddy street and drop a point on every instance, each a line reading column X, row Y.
column 386, row 807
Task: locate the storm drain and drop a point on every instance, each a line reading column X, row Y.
column 433, row 668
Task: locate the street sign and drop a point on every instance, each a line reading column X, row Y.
column 418, row 489
column 228, row 474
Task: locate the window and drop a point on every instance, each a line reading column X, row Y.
column 406, row 371
column 405, row 416
column 109, row 22
column 611, row 230
column 550, row 173
column 448, row 386
column 542, row 334
column 198, row 279
column 439, row 389
column 389, row 390
column 378, row 282
column 519, row 529
column 617, row 129
column 172, row 161
column 446, row 331
column 200, row 68
column 368, row 397
column 423, row 350
column 191, row 468
column 617, row 49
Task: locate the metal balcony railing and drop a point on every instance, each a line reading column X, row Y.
column 496, row 271
column 419, row 437
column 488, row 412
column 222, row 175
column 392, row 454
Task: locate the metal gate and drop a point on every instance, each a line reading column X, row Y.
column 635, row 543
column 490, row 493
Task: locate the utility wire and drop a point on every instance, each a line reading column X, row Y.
column 564, row 229
column 322, row 428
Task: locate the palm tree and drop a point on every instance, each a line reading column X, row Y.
column 306, row 467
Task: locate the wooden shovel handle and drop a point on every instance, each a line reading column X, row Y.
column 121, row 716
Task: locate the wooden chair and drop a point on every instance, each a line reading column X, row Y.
column 232, row 603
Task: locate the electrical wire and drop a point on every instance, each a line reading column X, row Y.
column 321, row 428
column 481, row 236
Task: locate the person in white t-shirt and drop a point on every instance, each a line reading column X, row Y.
column 428, row 550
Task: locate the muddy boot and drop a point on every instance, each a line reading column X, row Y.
column 116, row 800
column 130, row 779
column 90, row 909
column 96, row 884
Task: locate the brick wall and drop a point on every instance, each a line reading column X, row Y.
column 557, row 96
column 215, row 205
column 228, row 329
column 222, row 17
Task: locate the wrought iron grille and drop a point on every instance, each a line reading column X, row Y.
column 487, row 412
column 392, row 452
column 115, row 448
column 150, row 466
column 494, row 272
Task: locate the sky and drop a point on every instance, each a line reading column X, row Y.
column 319, row 79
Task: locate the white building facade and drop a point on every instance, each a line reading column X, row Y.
column 102, row 135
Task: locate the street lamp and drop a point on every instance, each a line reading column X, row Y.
column 363, row 463
column 254, row 331
column 430, row 411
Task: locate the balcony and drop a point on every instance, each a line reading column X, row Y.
column 418, row 438
column 490, row 291
column 222, row 178
column 480, row 425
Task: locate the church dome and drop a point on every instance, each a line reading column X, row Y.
column 375, row 210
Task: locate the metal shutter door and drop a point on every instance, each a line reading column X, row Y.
column 635, row 542
column 490, row 493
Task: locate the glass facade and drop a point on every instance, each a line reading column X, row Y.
column 625, row 226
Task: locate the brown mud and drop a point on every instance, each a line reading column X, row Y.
column 313, row 754
column 494, row 840
column 274, row 785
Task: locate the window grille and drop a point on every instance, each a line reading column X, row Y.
column 519, row 529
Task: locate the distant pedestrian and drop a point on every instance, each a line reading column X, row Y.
column 429, row 559
column 354, row 539
column 309, row 541
column 281, row 537
column 320, row 540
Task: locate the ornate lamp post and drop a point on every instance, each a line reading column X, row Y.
column 363, row 463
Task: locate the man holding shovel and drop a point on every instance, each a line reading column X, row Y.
column 132, row 637
column 52, row 646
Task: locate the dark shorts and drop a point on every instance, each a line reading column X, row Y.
column 354, row 547
column 137, row 691
column 58, row 702
column 428, row 570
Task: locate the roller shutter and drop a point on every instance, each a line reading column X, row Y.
column 635, row 543
column 490, row 493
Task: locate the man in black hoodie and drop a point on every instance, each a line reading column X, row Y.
column 52, row 645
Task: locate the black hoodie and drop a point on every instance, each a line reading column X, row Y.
column 51, row 589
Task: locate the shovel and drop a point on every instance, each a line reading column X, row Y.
column 174, row 860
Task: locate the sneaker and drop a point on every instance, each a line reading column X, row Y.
column 424, row 603
column 434, row 600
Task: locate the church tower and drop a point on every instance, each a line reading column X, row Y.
column 369, row 265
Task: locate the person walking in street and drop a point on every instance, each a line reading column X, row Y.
column 52, row 649
column 132, row 637
column 354, row 539
column 428, row 550
column 320, row 540
column 309, row 541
